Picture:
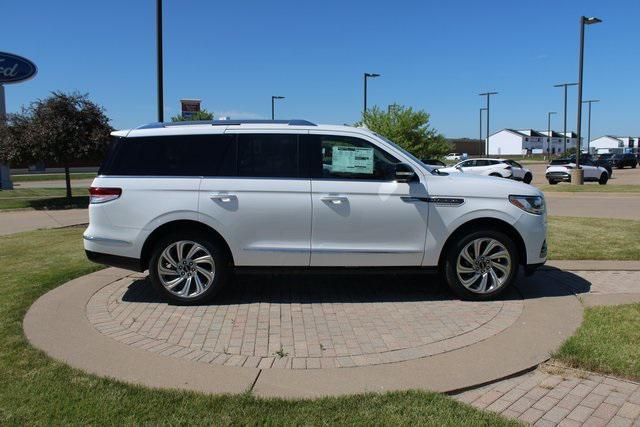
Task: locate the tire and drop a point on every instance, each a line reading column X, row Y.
column 202, row 288
column 527, row 178
column 603, row 179
column 455, row 261
column 551, row 182
column 633, row 166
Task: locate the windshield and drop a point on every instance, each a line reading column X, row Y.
column 406, row 153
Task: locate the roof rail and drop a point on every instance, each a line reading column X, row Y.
column 294, row 122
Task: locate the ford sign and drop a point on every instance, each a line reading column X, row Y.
column 14, row 68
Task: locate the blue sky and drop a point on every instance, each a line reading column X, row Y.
column 433, row 55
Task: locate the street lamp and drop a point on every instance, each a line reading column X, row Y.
column 488, row 95
column 549, row 129
column 564, row 135
column 481, row 110
column 366, row 76
column 159, row 59
column 579, row 173
column 590, row 101
column 273, row 106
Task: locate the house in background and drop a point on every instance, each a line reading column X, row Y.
column 614, row 144
column 528, row 141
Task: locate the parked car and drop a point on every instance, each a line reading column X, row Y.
column 193, row 201
column 434, row 162
column 503, row 168
column 560, row 171
column 453, row 157
column 588, row 159
column 623, row 160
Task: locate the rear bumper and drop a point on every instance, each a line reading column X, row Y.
column 558, row 176
column 115, row 260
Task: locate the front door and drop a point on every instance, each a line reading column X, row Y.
column 361, row 215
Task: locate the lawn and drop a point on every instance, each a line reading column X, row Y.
column 608, row 341
column 593, row 238
column 43, row 198
column 38, row 390
column 591, row 187
column 51, row 176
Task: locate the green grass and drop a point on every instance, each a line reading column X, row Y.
column 593, row 238
column 51, row 176
column 608, row 341
column 591, row 187
column 43, row 198
column 37, row 390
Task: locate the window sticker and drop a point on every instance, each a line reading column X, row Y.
column 352, row 160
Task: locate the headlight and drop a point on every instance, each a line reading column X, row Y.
column 532, row 204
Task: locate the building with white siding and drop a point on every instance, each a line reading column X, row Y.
column 614, row 144
column 528, row 141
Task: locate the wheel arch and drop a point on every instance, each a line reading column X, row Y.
column 177, row 226
column 492, row 223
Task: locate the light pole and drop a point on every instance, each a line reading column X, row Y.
column 273, row 106
column 366, row 76
column 579, row 173
column 481, row 110
column 488, row 95
column 159, row 58
column 564, row 134
column 549, row 129
column 590, row 101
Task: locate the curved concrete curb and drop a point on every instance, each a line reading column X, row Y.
column 57, row 324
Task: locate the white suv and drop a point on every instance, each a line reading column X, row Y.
column 504, row 168
column 192, row 201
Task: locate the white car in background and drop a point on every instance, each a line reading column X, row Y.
column 503, row 168
column 560, row 171
column 453, row 156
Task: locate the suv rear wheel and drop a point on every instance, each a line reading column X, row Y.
column 187, row 268
column 481, row 265
column 527, row 178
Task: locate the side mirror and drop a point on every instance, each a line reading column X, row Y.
column 404, row 173
column 459, row 168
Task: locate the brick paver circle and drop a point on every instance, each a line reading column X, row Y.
column 301, row 322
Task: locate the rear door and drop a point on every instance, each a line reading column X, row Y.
column 263, row 204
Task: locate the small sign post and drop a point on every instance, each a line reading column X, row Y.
column 13, row 69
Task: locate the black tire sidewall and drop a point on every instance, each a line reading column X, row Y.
column 528, row 178
column 603, row 179
column 452, row 255
column 219, row 257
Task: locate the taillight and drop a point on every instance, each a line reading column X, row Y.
column 103, row 194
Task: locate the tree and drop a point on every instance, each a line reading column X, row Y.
column 408, row 128
column 199, row 115
column 61, row 128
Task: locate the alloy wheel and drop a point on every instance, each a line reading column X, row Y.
column 483, row 265
column 186, row 269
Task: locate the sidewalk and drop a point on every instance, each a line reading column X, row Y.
column 27, row 220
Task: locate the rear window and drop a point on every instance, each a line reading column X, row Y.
column 180, row 155
column 268, row 155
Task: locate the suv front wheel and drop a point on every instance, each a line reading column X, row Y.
column 188, row 269
column 481, row 265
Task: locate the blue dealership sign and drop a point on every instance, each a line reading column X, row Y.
column 14, row 68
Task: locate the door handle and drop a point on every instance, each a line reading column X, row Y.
column 222, row 197
column 336, row 200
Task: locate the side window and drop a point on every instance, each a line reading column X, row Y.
column 172, row 156
column 268, row 155
column 468, row 164
column 482, row 163
column 345, row 157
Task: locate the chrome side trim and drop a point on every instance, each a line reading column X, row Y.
column 106, row 241
column 278, row 249
column 364, row 251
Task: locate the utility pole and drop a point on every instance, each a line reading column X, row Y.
column 159, row 58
